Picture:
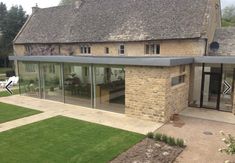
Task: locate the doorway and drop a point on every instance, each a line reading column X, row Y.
column 51, row 81
column 211, row 90
column 217, row 87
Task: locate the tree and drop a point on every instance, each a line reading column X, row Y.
column 67, row 2
column 228, row 16
column 3, row 13
column 11, row 24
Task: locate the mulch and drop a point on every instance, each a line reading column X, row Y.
column 149, row 151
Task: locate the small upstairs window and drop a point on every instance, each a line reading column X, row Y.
column 106, row 50
column 152, row 49
column 122, row 49
column 85, row 49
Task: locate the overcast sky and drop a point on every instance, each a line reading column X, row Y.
column 28, row 4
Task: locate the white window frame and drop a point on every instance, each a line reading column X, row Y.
column 153, row 49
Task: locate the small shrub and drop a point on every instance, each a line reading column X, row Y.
column 10, row 73
column 150, row 135
column 180, row 142
column 229, row 141
column 52, row 89
column 158, row 136
column 164, row 138
column 171, row 141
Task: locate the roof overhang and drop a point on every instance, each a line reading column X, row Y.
column 215, row 59
column 110, row 60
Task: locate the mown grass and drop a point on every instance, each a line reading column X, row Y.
column 11, row 112
column 61, row 139
column 6, row 93
column 3, row 70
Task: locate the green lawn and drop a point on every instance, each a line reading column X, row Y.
column 6, row 93
column 12, row 112
column 64, row 140
column 3, row 70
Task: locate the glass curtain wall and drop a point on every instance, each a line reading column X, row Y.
column 101, row 87
column 196, row 79
column 29, row 79
column 217, row 88
column 226, row 96
column 110, row 88
column 77, row 84
column 51, row 81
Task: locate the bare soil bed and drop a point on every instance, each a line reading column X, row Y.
column 149, row 151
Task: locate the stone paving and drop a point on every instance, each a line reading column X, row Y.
column 52, row 108
column 202, row 137
column 209, row 114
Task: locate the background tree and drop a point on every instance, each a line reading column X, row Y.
column 10, row 26
column 3, row 13
column 10, row 23
column 228, row 16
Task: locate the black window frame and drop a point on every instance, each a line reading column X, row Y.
column 177, row 80
column 122, row 49
column 85, row 49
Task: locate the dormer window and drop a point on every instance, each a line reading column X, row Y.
column 152, row 49
column 122, row 49
column 85, row 49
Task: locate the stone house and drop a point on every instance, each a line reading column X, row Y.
column 148, row 59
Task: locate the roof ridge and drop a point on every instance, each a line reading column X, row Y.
column 60, row 6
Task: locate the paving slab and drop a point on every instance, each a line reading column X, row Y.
column 26, row 120
column 106, row 118
column 209, row 114
column 202, row 137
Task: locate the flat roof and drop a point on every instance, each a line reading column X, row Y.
column 128, row 60
column 215, row 59
column 110, row 60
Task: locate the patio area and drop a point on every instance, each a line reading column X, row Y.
column 209, row 114
column 202, row 137
column 52, row 108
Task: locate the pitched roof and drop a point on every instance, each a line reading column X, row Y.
column 116, row 20
column 226, row 39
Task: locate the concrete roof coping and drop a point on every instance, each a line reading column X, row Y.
column 110, row 60
column 215, row 59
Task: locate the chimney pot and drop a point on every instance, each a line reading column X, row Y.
column 34, row 9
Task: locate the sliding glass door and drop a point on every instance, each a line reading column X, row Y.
column 211, row 90
column 110, row 88
column 29, row 79
column 77, row 84
column 94, row 86
column 51, row 81
column 226, row 96
column 217, row 87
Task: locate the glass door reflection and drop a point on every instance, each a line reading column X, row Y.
column 211, row 90
column 226, row 96
column 51, row 81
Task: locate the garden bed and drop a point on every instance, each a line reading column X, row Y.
column 149, row 151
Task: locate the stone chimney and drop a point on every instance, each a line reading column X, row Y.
column 34, row 9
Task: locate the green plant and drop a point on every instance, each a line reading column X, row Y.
column 229, row 140
column 171, row 141
column 52, row 89
column 164, row 138
column 150, row 135
column 180, row 142
column 158, row 136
